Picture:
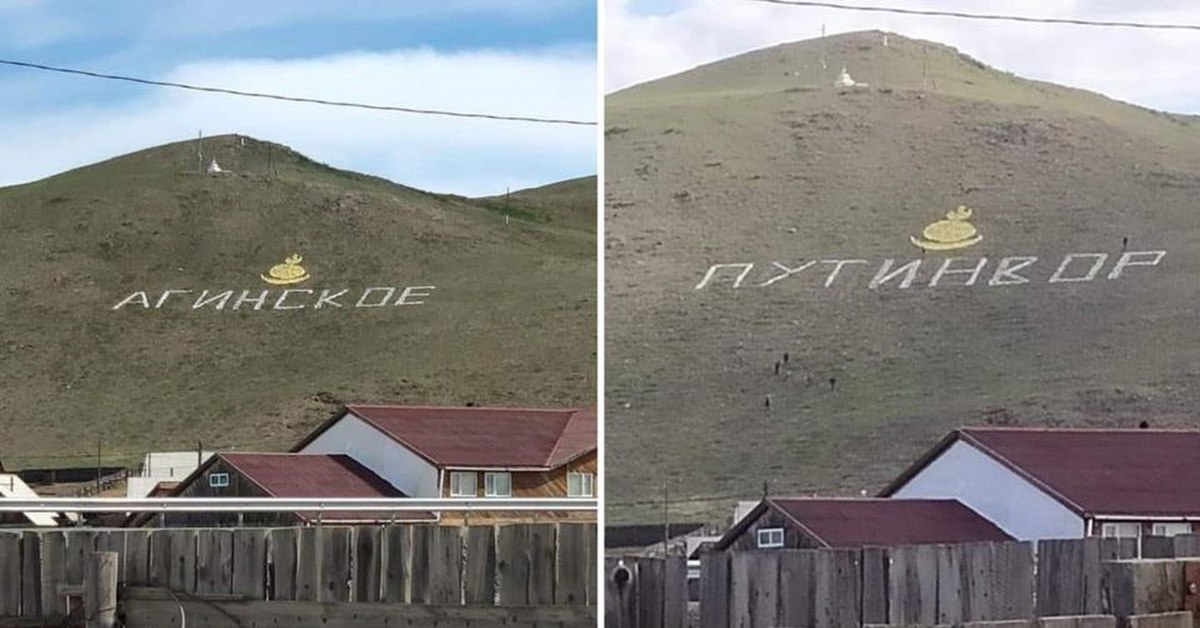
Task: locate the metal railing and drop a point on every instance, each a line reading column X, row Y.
column 285, row 504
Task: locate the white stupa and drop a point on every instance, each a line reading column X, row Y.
column 844, row 80
column 214, row 167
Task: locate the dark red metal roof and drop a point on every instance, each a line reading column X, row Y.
column 855, row 522
column 487, row 437
column 1103, row 471
column 319, row 475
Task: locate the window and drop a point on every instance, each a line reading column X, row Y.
column 218, row 480
column 1124, row 530
column 770, row 537
column 1171, row 529
column 580, row 484
column 497, row 484
column 462, row 484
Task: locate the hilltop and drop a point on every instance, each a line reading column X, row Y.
column 507, row 312
column 761, row 159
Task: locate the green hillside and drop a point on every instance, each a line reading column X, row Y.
column 510, row 319
column 761, row 159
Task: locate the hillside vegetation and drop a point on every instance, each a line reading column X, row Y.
column 510, row 320
column 761, row 159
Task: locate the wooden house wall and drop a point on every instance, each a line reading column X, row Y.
column 532, row 484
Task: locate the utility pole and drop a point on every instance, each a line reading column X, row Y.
column 98, row 467
column 200, row 151
column 199, row 453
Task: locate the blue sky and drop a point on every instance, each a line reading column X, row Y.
column 521, row 57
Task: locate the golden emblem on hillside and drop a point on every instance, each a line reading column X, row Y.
column 953, row 232
column 289, row 272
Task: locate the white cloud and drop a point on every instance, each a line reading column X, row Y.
column 470, row 157
column 1151, row 68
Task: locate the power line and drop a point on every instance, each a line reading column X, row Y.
column 985, row 16
column 681, row 500
column 315, row 101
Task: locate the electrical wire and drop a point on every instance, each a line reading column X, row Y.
column 983, row 16
column 298, row 99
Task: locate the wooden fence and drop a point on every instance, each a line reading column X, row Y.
column 905, row 585
column 502, row 565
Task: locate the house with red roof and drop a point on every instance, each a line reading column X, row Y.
column 1058, row 483
column 283, row 475
column 816, row 523
column 468, row 451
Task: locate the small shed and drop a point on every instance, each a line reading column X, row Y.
column 284, row 475
column 815, row 523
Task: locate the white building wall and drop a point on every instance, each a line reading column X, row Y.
column 376, row 451
column 998, row 494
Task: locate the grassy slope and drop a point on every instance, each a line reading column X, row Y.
column 512, row 321
column 740, row 162
column 570, row 203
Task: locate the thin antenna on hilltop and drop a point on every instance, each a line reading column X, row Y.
column 823, row 66
column 924, row 68
column 200, row 151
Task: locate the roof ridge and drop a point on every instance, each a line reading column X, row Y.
column 570, row 410
column 562, row 433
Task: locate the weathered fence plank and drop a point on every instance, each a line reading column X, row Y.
column 436, row 565
column 54, row 572
column 136, row 559
column 1060, row 586
column 572, row 576
column 31, row 574
column 214, row 562
column 543, row 539
column 397, row 551
column 714, row 590
column 283, row 547
column 336, row 548
column 797, row 588
column 250, row 563
column 675, row 593
column 620, row 594
column 10, row 574
column 912, row 585
column 368, row 563
column 650, row 593
column 839, row 589
column 182, row 577
column 512, row 565
column 955, row 576
column 874, row 585
column 308, row 565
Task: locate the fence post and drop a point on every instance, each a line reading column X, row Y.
column 100, row 590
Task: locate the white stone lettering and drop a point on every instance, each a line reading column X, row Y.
column 1058, row 277
column 1006, row 272
column 883, row 276
column 1127, row 259
column 166, row 294
column 138, row 297
column 837, row 268
column 411, row 292
column 279, row 303
column 329, row 299
column 712, row 271
column 945, row 270
column 362, row 301
column 787, row 272
column 244, row 297
column 220, row 299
